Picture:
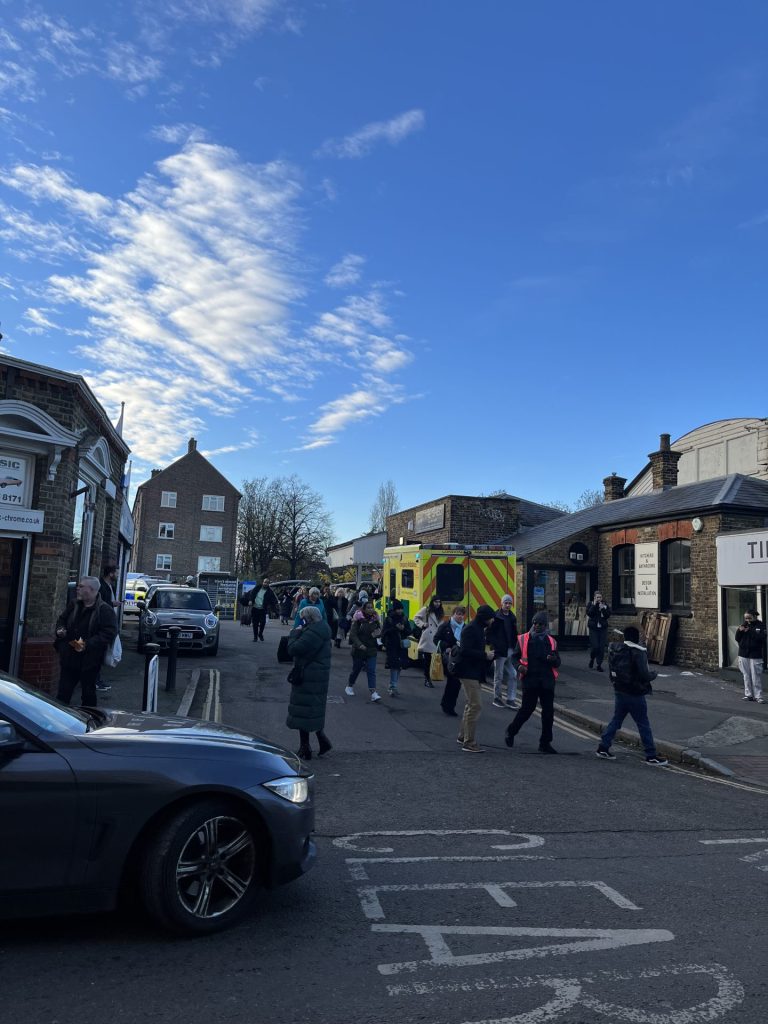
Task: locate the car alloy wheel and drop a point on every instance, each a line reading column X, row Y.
column 203, row 868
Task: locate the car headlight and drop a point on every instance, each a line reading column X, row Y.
column 294, row 788
column 211, row 621
column 151, row 619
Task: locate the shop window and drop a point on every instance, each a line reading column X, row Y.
column 168, row 499
column 166, row 531
column 624, row 576
column 450, row 581
column 213, row 503
column 677, row 574
column 207, row 564
column 406, row 579
column 211, row 534
column 163, row 561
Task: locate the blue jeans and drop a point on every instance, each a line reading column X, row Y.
column 370, row 670
column 634, row 705
column 394, row 675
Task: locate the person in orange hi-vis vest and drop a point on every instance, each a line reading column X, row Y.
column 537, row 660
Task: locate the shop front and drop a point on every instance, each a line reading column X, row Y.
column 742, row 579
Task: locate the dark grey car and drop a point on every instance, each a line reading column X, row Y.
column 191, row 817
column 187, row 607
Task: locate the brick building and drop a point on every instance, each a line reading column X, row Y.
column 459, row 519
column 186, row 520
column 63, row 513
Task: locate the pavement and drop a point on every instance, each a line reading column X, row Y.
column 698, row 719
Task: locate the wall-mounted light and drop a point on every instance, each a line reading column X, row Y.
column 697, row 525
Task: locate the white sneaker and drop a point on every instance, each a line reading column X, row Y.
column 375, row 696
column 349, row 691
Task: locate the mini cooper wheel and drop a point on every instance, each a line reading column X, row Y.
column 203, row 869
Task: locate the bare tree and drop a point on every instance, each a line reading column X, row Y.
column 306, row 526
column 587, row 499
column 386, row 504
column 260, row 525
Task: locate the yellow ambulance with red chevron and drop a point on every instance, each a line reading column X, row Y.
column 470, row 575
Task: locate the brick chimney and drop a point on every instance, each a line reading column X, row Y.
column 155, row 472
column 664, row 465
column 614, row 487
column 192, row 445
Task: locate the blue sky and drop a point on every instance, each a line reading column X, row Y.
column 461, row 246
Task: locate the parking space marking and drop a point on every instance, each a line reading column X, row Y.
column 588, row 940
column 348, row 842
column 359, row 873
column 373, row 910
column 569, row 993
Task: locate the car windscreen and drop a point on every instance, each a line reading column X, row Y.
column 40, row 709
column 182, row 600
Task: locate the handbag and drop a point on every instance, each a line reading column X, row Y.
column 453, row 661
column 282, row 650
column 436, row 671
column 296, row 675
column 113, row 653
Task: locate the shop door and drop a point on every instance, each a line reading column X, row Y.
column 546, row 597
column 575, row 600
column 10, row 574
column 737, row 601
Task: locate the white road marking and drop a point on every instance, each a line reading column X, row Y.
column 589, row 940
column 569, row 994
column 726, row 842
column 748, row 787
column 358, row 872
column 373, row 910
column 348, row 842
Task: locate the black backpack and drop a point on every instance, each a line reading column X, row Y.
column 623, row 670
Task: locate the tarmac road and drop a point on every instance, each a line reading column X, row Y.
column 450, row 888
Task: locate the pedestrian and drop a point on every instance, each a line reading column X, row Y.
column 309, row 644
column 286, row 603
column 313, row 600
column 342, row 603
column 300, row 594
column 394, row 637
column 502, row 636
column 750, row 636
column 365, row 630
column 537, row 660
column 470, row 662
column 632, row 678
column 108, row 594
column 84, row 631
column 447, row 636
column 428, row 619
column 331, row 611
column 262, row 600
column 598, row 614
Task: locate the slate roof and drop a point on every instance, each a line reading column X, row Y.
column 735, row 492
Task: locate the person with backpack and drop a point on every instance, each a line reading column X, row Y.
column 632, row 678
column 536, row 660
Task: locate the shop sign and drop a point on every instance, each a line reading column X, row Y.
column 647, row 575
column 742, row 559
column 14, row 479
column 21, row 520
column 432, row 518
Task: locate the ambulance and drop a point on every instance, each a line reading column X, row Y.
column 471, row 575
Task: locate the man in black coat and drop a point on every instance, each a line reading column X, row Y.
column 750, row 636
column 262, row 600
column 598, row 614
column 472, row 667
column 83, row 633
column 447, row 637
column 502, row 636
column 537, row 660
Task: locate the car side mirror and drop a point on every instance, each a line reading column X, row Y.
column 11, row 743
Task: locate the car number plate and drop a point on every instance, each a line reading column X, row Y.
column 185, row 636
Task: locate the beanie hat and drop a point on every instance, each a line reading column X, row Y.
column 397, row 606
column 485, row 613
column 540, row 618
column 363, row 596
column 507, row 597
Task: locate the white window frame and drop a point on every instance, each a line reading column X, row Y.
column 161, row 565
column 212, row 540
column 168, row 499
column 211, row 503
column 208, row 558
column 166, row 535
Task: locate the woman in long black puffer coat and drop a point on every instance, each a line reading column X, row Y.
column 310, row 647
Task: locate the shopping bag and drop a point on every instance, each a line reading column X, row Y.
column 113, row 653
column 436, row 671
column 413, row 651
column 282, row 650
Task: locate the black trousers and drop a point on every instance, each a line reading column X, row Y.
column 258, row 621
column 597, row 638
column 533, row 695
column 70, row 676
column 451, row 692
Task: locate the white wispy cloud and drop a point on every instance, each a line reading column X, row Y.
column 376, row 398
column 226, row 449
column 313, row 445
column 178, row 134
column 49, row 183
column 361, row 142
column 347, row 271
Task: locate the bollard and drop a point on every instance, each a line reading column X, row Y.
column 150, row 650
column 170, row 672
